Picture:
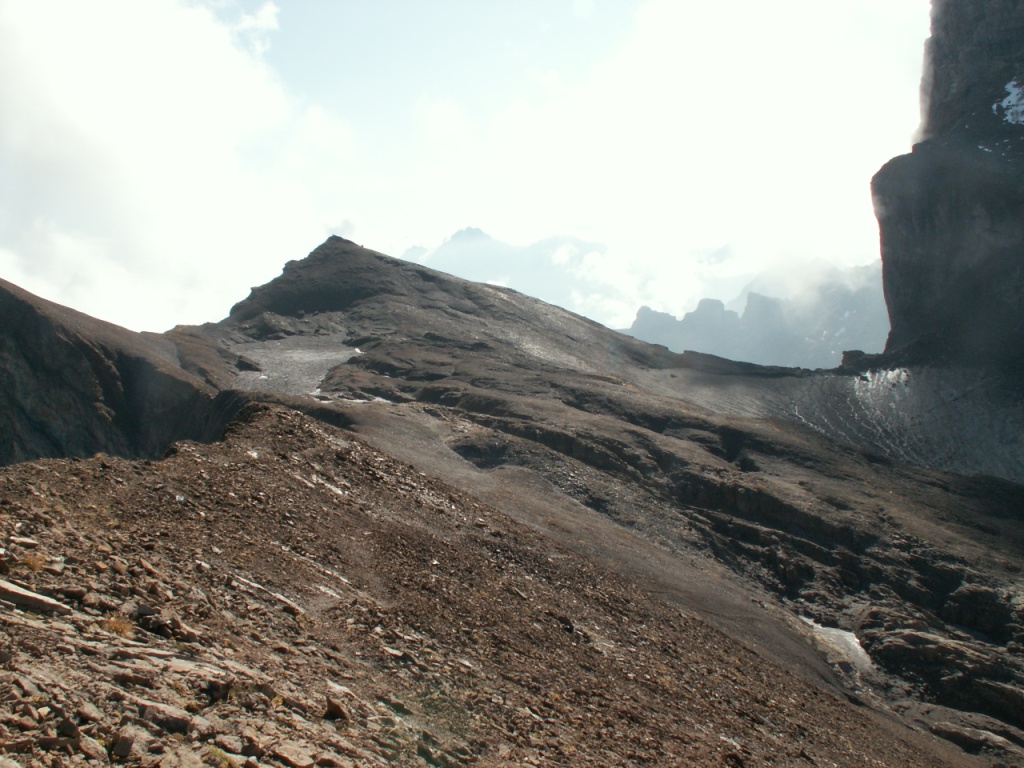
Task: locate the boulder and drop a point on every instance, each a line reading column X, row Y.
column 978, row 607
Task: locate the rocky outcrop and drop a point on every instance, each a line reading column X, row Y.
column 951, row 217
column 71, row 385
column 951, row 213
column 335, row 277
column 971, row 60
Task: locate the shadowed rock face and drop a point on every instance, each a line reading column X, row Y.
column 951, row 213
column 951, row 217
column 71, row 385
column 973, row 53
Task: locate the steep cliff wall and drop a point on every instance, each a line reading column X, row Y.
column 974, row 54
column 951, row 213
column 71, row 385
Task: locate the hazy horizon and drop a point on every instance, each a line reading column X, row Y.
column 161, row 158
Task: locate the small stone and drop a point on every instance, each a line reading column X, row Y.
column 91, row 748
column 253, row 744
column 337, row 710
column 229, row 743
column 123, row 743
column 24, row 542
column 28, row 687
column 67, row 728
column 183, row 631
column 23, row 723
column 52, row 743
column 171, row 719
column 292, row 756
column 201, row 727
column 25, row 598
column 89, row 712
column 72, row 591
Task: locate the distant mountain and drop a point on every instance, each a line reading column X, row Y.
column 557, row 270
column 837, row 310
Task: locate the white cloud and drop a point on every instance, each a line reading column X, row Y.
column 154, row 158
column 255, row 28
column 153, row 166
column 583, row 9
column 442, row 121
column 743, row 125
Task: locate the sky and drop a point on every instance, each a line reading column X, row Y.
column 159, row 158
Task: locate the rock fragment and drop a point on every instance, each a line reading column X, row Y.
column 33, row 601
column 292, row 756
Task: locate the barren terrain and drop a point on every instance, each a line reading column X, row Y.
column 293, row 597
column 449, row 524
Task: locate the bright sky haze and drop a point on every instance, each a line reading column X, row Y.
column 159, row 158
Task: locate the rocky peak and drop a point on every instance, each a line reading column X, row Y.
column 951, row 213
column 469, row 235
column 331, row 278
column 973, row 77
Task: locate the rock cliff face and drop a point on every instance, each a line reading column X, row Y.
column 972, row 59
column 951, row 213
column 71, row 385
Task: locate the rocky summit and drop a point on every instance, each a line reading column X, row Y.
column 951, row 213
column 378, row 515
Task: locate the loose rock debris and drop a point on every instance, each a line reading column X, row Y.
column 291, row 597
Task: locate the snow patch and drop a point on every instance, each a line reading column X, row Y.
column 1013, row 105
column 846, row 644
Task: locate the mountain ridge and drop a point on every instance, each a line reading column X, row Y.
column 380, row 515
column 622, row 453
column 809, row 330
